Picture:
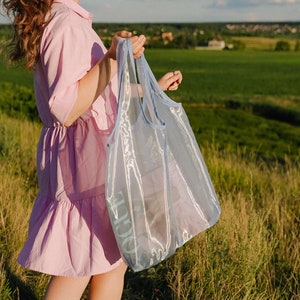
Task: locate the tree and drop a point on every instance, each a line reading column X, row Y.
column 238, row 45
column 282, row 46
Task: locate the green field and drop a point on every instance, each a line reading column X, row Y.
column 244, row 109
column 242, row 98
column 213, row 76
column 249, row 99
column 263, row 43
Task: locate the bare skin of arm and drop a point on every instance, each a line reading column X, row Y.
column 90, row 87
column 94, row 82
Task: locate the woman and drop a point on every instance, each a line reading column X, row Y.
column 70, row 236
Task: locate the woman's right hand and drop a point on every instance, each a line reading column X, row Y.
column 137, row 43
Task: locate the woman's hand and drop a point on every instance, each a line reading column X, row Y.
column 170, row 81
column 137, row 42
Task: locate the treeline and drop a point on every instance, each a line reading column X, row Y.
column 188, row 35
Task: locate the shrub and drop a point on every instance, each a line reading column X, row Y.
column 238, row 45
column 297, row 46
column 282, row 46
column 17, row 101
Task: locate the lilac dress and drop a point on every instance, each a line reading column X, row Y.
column 69, row 230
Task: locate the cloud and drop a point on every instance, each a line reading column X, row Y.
column 144, row 11
column 284, row 1
column 250, row 10
column 244, row 3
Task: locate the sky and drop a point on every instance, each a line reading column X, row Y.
column 172, row 11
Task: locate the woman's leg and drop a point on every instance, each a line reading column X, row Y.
column 108, row 285
column 63, row 288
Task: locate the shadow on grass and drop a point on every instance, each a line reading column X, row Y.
column 150, row 284
column 20, row 290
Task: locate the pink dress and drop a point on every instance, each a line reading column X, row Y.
column 69, row 230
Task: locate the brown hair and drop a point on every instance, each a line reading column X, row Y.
column 29, row 18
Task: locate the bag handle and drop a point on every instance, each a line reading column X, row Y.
column 125, row 55
column 122, row 55
column 125, row 61
column 151, row 89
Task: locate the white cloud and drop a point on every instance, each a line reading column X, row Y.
column 144, row 11
column 284, row 1
column 241, row 3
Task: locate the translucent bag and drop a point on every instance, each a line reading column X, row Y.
column 158, row 191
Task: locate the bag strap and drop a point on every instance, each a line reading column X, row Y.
column 125, row 60
column 152, row 89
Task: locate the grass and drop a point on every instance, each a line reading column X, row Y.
column 244, row 108
column 248, row 99
column 245, row 98
column 268, row 139
column 16, row 75
column 263, row 43
column 251, row 253
column 218, row 76
column 18, row 189
column 215, row 76
column 243, row 256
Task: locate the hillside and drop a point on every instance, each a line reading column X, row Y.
column 244, row 109
column 252, row 252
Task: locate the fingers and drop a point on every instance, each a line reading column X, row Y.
column 170, row 81
column 174, row 76
column 124, row 34
column 174, row 80
column 173, row 87
column 138, row 43
column 178, row 75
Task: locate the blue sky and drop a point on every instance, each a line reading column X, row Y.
column 143, row 11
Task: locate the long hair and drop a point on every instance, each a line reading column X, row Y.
column 29, row 18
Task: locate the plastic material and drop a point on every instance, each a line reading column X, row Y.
column 158, row 190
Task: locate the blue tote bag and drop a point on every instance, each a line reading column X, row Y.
column 158, row 191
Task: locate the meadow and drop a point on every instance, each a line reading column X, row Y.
column 244, row 109
column 263, row 43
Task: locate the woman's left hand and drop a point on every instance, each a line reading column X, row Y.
column 170, row 81
column 137, row 43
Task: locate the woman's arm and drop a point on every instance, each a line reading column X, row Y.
column 94, row 82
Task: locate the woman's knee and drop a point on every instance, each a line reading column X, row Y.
column 61, row 288
column 108, row 285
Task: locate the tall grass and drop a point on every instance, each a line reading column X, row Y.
column 17, row 189
column 251, row 253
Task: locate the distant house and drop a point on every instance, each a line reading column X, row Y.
column 216, row 44
column 167, row 37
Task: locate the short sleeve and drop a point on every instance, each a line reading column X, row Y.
column 66, row 59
